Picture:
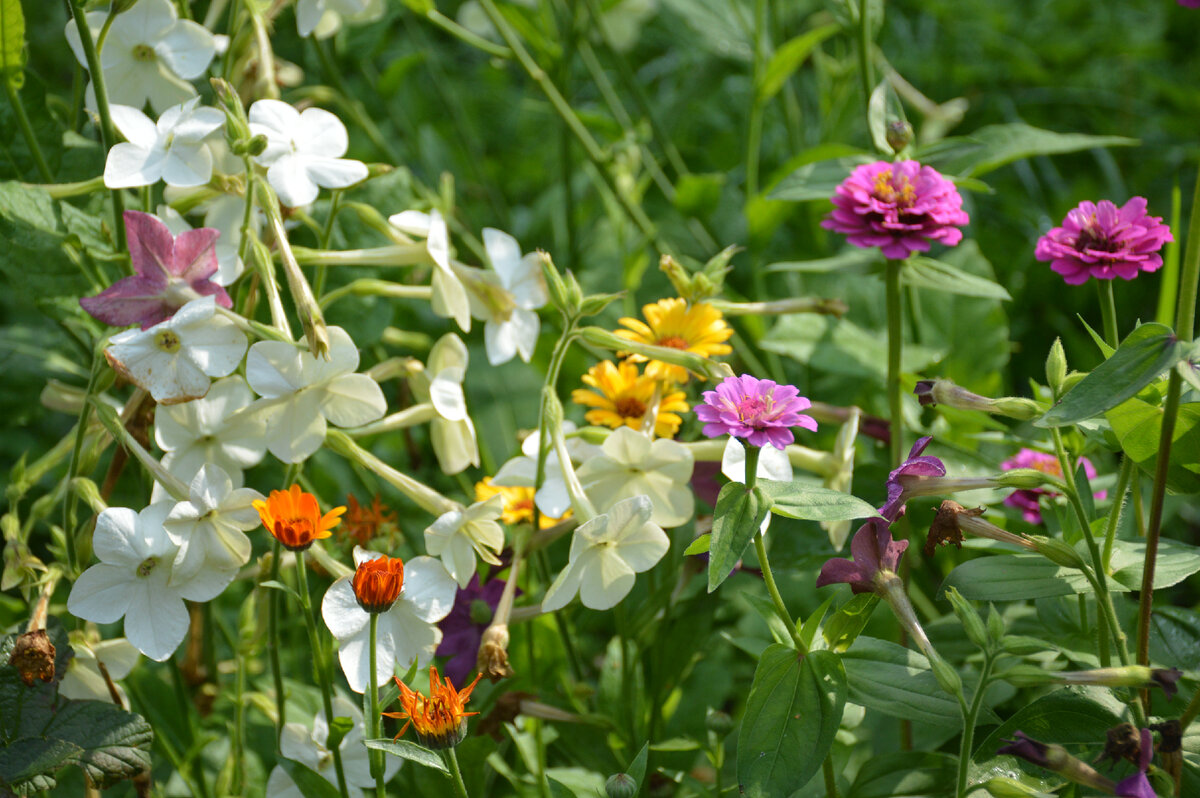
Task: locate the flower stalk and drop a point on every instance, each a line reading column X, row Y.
column 895, row 343
column 423, row 496
column 761, row 550
column 375, row 756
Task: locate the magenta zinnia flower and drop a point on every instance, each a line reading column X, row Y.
column 873, row 552
column 899, row 207
column 1026, row 499
column 1103, row 241
column 760, row 411
column 170, row 272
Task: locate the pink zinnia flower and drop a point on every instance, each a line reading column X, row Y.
column 1026, row 500
column 1190, row 3
column 170, row 272
column 1103, row 241
column 899, row 207
column 760, row 411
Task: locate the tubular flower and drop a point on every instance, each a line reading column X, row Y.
column 760, row 411
column 294, row 519
column 700, row 329
column 377, row 583
column 1103, row 241
column 518, row 503
column 1026, row 499
column 620, row 397
column 439, row 720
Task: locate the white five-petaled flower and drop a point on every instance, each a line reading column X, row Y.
column 150, row 54
column 174, row 359
column 308, row 748
column 458, row 535
column 323, row 18
column 450, row 299
column 606, row 552
column 302, row 394
column 171, row 150
column 521, row 472
column 304, row 151
column 84, row 681
column 631, row 465
column 451, row 431
column 772, row 464
column 210, row 528
column 405, row 633
column 511, row 325
column 133, row 579
column 210, row 430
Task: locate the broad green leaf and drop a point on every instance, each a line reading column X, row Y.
column 896, row 681
column 1174, row 636
column 410, row 751
column 792, row 715
column 1063, row 717
column 1014, row 577
column 1176, row 562
column 999, row 145
column 922, row 272
column 850, row 261
column 1138, row 426
column 813, row 503
column 699, row 545
column 905, row 774
column 699, row 195
column 788, row 58
column 12, row 43
column 1145, row 353
column 840, row 346
column 310, row 783
column 877, row 116
column 637, row 768
column 1189, row 366
column 738, row 515
column 31, row 233
column 766, row 610
column 847, row 623
column 816, row 181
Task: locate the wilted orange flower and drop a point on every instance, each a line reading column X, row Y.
column 439, row 720
column 518, row 503
column 294, row 518
column 377, row 583
column 364, row 522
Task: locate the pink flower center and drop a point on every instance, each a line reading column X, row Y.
column 753, row 410
column 1092, row 237
column 894, row 189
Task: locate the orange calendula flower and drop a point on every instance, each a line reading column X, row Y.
column 699, row 329
column 518, row 503
column 621, row 397
column 377, row 583
column 439, row 720
column 294, row 518
column 363, row 522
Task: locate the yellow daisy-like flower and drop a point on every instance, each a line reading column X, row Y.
column 699, row 329
column 518, row 503
column 621, row 396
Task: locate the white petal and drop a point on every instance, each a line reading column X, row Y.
column 454, row 444
column 354, row 655
column 519, row 472
column 187, row 165
column 428, row 589
column 448, row 353
column 135, row 126
column 187, row 49
column 501, row 342
column 207, row 584
column 155, row 623
column 289, row 177
column 335, row 172
column 275, row 116
column 606, row 580
column 118, row 656
column 321, row 133
column 352, row 400
column 415, row 223
column 273, row 369
column 414, row 639
column 340, row 610
column 298, row 429
column 117, row 539
column 101, row 593
column 446, row 393
column 564, row 588
column 130, row 166
column 308, row 14
column 450, row 299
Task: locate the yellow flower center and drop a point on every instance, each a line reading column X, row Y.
column 167, row 341
column 147, row 565
column 898, row 190
column 144, row 52
column 629, row 407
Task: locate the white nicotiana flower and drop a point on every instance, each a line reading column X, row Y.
column 606, row 552
column 772, row 464
column 149, row 54
column 210, row 529
column 512, row 329
column 452, row 432
column 171, row 150
column 457, row 536
column 84, row 681
column 323, row 18
column 133, row 579
column 308, row 748
column 224, row 214
column 174, row 359
column 450, row 300
column 210, row 430
column 521, row 472
column 406, row 633
column 631, row 465
column 304, row 151
column 302, row 393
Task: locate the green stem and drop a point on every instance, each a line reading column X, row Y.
column 239, row 720
column 14, row 99
column 761, row 550
column 314, row 645
column 376, row 757
column 865, row 72
column 969, row 719
column 1114, row 515
column 831, row 790
column 454, row 29
column 460, row 788
column 1108, row 310
column 1189, row 714
column 73, row 468
column 552, row 371
column 335, row 202
column 1110, row 615
column 895, row 344
column 274, row 644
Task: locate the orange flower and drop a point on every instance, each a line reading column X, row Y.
column 377, row 583
column 363, row 522
column 439, row 719
column 294, row 518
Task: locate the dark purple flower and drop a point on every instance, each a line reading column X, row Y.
column 760, row 411
column 917, row 465
column 170, row 272
column 1166, row 678
column 1027, row 748
column 873, row 550
column 1103, row 241
column 899, row 207
column 462, row 629
column 1026, row 499
column 705, row 484
column 1137, row 785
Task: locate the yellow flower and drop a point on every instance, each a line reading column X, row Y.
column 621, row 397
column 439, row 720
column 699, row 329
column 518, row 503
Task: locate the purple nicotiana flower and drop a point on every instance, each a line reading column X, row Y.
column 899, row 207
column 1103, row 241
column 760, row 411
column 1026, row 499
column 170, row 272
column 873, row 551
column 1137, row 785
column 917, row 465
column 462, row 629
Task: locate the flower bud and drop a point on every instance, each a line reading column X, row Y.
column 678, row 274
column 33, row 657
column 1026, row 479
column 1056, row 368
column 899, row 134
column 995, row 625
column 969, row 617
column 377, row 583
column 946, row 676
column 1058, row 552
column 1023, row 644
column 121, row 6
column 255, row 145
column 1004, row 787
column 620, row 785
column 574, row 291
column 596, row 303
column 555, row 284
column 1017, row 407
column 718, row 722
column 593, row 435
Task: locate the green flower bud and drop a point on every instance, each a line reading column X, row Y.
column 1004, row 787
column 1017, row 407
column 899, row 135
column 554, row 282
column 1058, row 552
column 718, row 722
column 620, row 785
column 1026, row 479
column 1056, row 368
column 1023, row 644
column 995, row 625
column 596, row 303
column 946, row 676
column 969, row 617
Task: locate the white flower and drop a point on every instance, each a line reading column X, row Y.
column 133, row 579
column 772, row 464
column 513, row 329
column 174, row 359
column 304, row 151
column 171, row 150
column 210, row 430
column 149, row 54
column 452, row 431
column 405, row 633
column 606, row 552
column 301, row 393
column 521, row 472
column 450, row 299
column 210, row 530
column 457, row 536
column 84, row 681
column 225, row 214
column 632, row 465
column 323, row 18
column 298, row 744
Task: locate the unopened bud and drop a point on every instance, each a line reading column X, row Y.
column 1017, row 407
column 574, row 291
column 946, row 676
column 718, row 722
column 995, row 625
column 593, row 435
column 596, row 303
column 620, row 785
column 1058, row 552
column 1023, row 644
column 969, row 617
column 1026, row 479
column 121, row 6
column 899, row 135
column 1056, row 368
column 555, row 284
column 678, row 274
column 1004, row 787
column 255, row 145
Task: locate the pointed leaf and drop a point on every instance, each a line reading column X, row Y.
column 814, row 503
column 922, row 272
column 408, row 750
column 789, row 57
column 739, row 514
column 12, row 43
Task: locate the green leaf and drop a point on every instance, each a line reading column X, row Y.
column 897, row 681
column 739, row 514
column 788, row 58
column 676, row 744
column 699, row 195
column 699, row 545
column 1014, row 577
column 637, row 768
column 792, row 715
column 922, row 272
column 338, row 730
column 275, row 584
column 1138, row 426
column 31, row 233
column 12, row 43
column 410, row 751
column 850, row 261
column 766, row 610
column 905, row 774
column 310, row 783
column 813, row 503
column 1063, row 717
column 847, row 623
column 1145, row 353
column 994, row 146
column 1176, row 562
column 839, row 346
column 816, row 181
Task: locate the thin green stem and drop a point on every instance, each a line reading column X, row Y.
column 375, row 757
column 1108, row 311
column 274, row 644
column 73, row 469
column 970, row 717
column 1189, row 714
column 761, row 550
column 895, row 346
column 865, row 72
column 1114, row 515
column 458, row 31
column 460, row 788
column 335, row 202
column 831, row 790
column 239, row 722
column 39, row 160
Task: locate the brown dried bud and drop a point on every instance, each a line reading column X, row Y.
column 1171, row 734
column 1123, row 741
column 33, row 656
column 492, row 661
column 945, row 526
column 508, row 706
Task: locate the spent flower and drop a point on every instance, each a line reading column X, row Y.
column 439, row 719
column 463, row 628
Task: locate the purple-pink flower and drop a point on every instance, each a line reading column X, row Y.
column 1137, row 785
column 760, row 411
column 462, row 629
column 899, row 207
column 872, row 550
column 1103, row 241
column 1190, row 3
column 170, row 272
column 917, row 465
column 1026, row 499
